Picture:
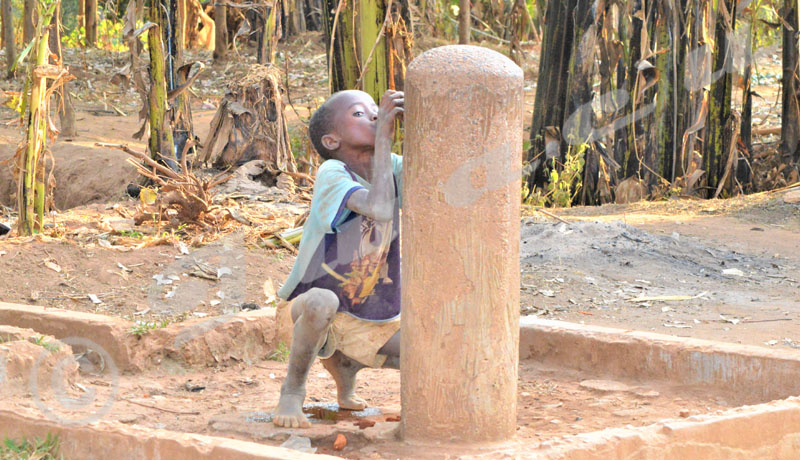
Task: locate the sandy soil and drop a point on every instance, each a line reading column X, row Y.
column 587, row 270
column 552, row 403
column 590, row 270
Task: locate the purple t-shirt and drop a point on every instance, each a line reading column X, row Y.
column 359, row 261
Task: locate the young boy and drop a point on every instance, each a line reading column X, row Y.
column 344, row 289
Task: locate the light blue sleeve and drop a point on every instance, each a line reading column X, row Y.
column 397, row 165
column 332, row 187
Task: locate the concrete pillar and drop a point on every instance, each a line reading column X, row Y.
column 461, row 217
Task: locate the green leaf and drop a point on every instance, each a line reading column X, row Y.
column 23, row 55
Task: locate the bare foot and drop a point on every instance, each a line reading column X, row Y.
column 352, row 402
column 289, row 413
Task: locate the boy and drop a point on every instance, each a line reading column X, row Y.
column 344, row 289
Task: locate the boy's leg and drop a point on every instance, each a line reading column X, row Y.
column 313, row 313
column 392, row 352
column 344, row 370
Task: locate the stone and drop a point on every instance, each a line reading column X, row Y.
column 605, row 386
column 792, row 197
column 340, row 443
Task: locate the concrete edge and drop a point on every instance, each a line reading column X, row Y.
column 769, row 431
column 107, row 332
column 755, row 373
column 244, row 336
column 111, row 440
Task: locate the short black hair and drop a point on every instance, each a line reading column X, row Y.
column 322, row 123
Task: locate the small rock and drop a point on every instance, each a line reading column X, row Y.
column 647, row 394
column 299, row 443
column 193, row 387
column 792, row 197
column 684, row 413
column 160, row 279
column 130, row 418
column 393, row 418
column 733, row 272
column 604, row 385
column 364, row 423
column 340, row 443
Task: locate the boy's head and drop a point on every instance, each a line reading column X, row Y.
column 346, row 121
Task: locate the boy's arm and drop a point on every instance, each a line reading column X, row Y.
column 378, row 202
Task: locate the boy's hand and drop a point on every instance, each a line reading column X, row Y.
column 392, row 107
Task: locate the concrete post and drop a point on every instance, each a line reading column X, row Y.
column 461, row 217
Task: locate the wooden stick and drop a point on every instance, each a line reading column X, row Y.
column 163, row 169
column 549, row 214
column 766, row 131
column 179, row 412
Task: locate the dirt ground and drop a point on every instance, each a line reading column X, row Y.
column 236, row 401
column 725, row 270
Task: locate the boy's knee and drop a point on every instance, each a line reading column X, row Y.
column 320, row 305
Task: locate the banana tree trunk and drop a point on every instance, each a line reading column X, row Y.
column 463, row 22
column 717, row 139
column 551, row 90
column 161, row 140
column 270, row 32
column 8, row 35
column 339, row 27
column 91, row 23
column 374, row 67
column 28, row 21
column 790, row 127
column 31, row 187
column 66, row 111
column 220, row 32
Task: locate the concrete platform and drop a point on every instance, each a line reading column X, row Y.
column 767, row 379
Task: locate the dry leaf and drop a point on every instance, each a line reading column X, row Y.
column 269, row 290
column 147, row 195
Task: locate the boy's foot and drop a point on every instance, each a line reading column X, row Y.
column 344, row 370
column 289, row 413
column 352, row 402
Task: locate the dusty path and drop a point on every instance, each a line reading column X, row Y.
column 739, row 258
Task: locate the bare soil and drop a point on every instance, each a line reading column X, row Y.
column 731, row 268
column 237, row 401
column 587, row 270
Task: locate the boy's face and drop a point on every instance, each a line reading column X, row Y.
column 355, row 121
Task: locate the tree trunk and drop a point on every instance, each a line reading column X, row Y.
column 463, row 22
column 790, row 127
column 717, row 139
column 8, row 36
column 81, row 16
column 271, row 32
column 373, row 48
column 161, row 141
column 66, row 112
column 628, row 147
column 31, row 191
column 551, row 91
column 220, row 32
column 91, row 23
column 28, row 21
column 342, row 61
